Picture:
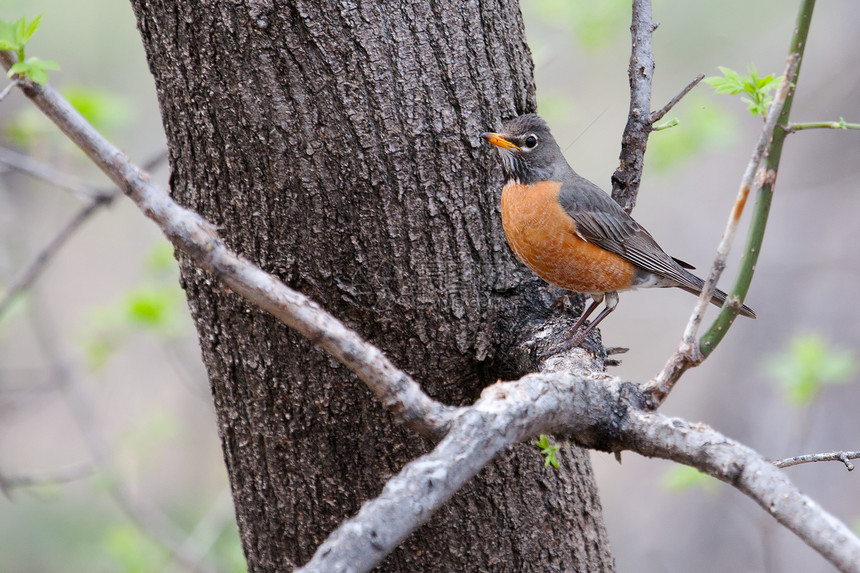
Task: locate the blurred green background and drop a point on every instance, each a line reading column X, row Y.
column 103, row 343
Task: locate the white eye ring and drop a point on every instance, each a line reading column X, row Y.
column 530, row 141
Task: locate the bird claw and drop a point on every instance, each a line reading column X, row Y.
column 612, row 350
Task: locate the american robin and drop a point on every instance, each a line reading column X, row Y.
column 571, row 233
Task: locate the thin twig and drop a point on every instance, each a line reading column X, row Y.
column 829, row 457
column 688, row 353
column 45, row 172
column 59, row 476
column 841, row 124
column 32, row 271
column 658, row 115
column 747, row 182
column 8, row 89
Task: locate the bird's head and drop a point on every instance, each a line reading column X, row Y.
column 527, row 148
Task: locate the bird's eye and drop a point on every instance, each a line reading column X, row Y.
column 530, row 142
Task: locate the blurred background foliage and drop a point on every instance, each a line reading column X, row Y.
column 103, row 344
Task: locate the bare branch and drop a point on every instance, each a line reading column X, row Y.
column 658, row 115
column 64, row 475
column 8, row 89
column 709, row 451
column 625, row 180
column 843, row 457
column 688, row 353
column 581, row 406
column 197, row 238
column 841, row 124
column 35, row 268
column 45, row 172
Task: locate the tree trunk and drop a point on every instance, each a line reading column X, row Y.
column 336, row 145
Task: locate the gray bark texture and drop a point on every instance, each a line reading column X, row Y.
column 336, row 145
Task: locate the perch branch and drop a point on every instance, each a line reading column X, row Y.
column 581, row 406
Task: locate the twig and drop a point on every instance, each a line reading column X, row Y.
column 45, row 172
column 689, row 352
column 196, row 237
column 841, row 124
column 625, row 180
column 830, row 457
column 747, row 182
column 99, row 199
column 658, row 115
column 32, row 271
column 764, row 195
column 59, row 476
column 8, row 89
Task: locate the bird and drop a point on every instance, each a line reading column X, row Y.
column 571, row 233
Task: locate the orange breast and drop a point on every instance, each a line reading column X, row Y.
column 544, row 237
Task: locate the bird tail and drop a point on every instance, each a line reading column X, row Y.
column 717, row 299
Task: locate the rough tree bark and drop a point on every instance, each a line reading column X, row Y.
column 336, row 145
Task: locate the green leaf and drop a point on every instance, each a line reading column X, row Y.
column 680, row 478
column 160, row 259
column 149, row 307
column 807, row 365
column 34, row 68
column 548, row 451
column 756, row 89
column 29, row 29
column 731, row 83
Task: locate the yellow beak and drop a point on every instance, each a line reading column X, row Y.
column 499, row 141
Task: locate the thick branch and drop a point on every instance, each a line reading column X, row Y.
column 197, row 238
column 625, row 180
column 594, row 411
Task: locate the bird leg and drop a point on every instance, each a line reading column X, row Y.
column 611, row 303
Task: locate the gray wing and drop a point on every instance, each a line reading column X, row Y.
column 601, row 221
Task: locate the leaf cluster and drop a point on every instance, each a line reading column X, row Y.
column 14, row 36
column 757, row 90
